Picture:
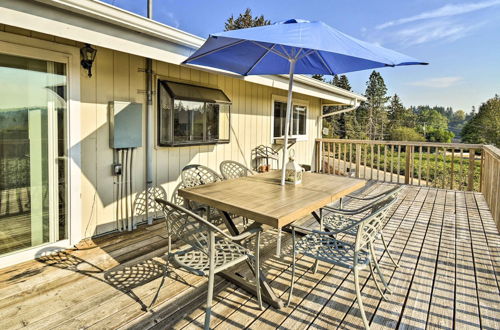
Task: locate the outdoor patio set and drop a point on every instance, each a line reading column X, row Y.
column 205, row 200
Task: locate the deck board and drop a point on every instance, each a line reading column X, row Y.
column 446, row 242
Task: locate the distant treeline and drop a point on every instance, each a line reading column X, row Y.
column 384, row 117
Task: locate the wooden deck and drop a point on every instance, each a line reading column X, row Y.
column 445, row 241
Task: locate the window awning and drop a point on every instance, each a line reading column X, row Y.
column 195, row 93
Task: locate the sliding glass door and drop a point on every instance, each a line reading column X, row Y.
column 32, row 152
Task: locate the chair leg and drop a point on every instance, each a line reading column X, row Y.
column 210, row 294
column 257, row 272
column 292, row 280
column 321, row 227
column 382, row 278
column 315, row 267
column 211, row 278
column 387, row 250
column 376, row 283
column 358, row 298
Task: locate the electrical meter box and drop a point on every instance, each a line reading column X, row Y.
column 125, row 125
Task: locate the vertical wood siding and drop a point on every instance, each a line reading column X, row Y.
column 118, row 76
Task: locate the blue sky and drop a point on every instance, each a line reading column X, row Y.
column 460, row 39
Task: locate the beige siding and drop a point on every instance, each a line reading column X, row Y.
column 118, row 76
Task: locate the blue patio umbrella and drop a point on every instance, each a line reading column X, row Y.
column 293, row 46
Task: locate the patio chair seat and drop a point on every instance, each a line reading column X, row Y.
column 227, row 254
column 328, row 249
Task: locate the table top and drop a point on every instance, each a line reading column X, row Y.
column 261, row 198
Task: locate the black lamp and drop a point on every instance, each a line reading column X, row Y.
column 88, row 56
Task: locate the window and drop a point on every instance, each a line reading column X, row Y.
column 191, row 115
column 297, row 124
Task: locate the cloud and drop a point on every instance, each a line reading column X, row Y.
column 445, row 11
column 433, row 31
column 438, row 82
column 171, row 19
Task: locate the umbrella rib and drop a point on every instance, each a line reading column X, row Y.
column 324, row 63
column 216, row 50
column 298, row 53
column 271, row 50
column 260, row 59
column 306, row 54
column 285, row 52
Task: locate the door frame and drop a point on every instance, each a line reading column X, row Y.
column 19, row 45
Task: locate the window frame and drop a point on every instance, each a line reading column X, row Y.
column 160, row 143
column 295, row 102
column 16, row 45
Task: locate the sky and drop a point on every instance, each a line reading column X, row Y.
column 460, row 39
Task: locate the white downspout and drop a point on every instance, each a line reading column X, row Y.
column 149, row 123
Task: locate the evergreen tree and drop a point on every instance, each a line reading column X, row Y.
column 343, row 82
column 245, row 20
column 375, row 107
column 398, row 115
column 318, row 77
column 484, row 127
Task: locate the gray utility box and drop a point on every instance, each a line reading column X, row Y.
column 125, row 125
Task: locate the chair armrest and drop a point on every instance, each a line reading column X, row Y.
column 246, row 234
column 312, row 231
column 371, row 197
column 347, row 212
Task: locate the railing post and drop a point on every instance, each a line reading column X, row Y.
column 472, row 157
column 407, row 165
column 358, row 159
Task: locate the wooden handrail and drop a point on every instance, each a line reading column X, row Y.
column 408, row 143
column 456, row 166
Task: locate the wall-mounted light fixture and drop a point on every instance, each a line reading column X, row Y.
column 88, row 56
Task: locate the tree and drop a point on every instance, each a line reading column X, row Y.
column 375, row 107
column 318, row 77
column 343, row 82
column 396, row 112
column 245, row 20
column 484, row 127
column 434, row 126
column 431, row 119
column 457, row 122
column 405, row 134
column 439, row 135
column 344, row 124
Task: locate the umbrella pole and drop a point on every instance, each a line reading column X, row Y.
column 287, row 120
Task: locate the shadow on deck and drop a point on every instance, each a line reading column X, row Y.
column 445, row 241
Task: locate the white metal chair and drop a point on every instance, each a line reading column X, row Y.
column 324, row 246
column 197, row 175
column 338, row 218
column 210, row 250
column 233, row 170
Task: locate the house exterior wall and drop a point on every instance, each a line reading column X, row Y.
column 119, row 76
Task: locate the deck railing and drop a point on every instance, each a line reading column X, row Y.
column 490, row 180
column 455, row 166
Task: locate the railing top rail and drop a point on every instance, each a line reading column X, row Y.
column 492, row 150
column 410, row 143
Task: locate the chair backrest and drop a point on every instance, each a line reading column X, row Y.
column 232, row 170
column 197, row 175
column 371, row 224
column 176, row 198
column 186, row 226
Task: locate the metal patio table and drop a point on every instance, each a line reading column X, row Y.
column 262, row 199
